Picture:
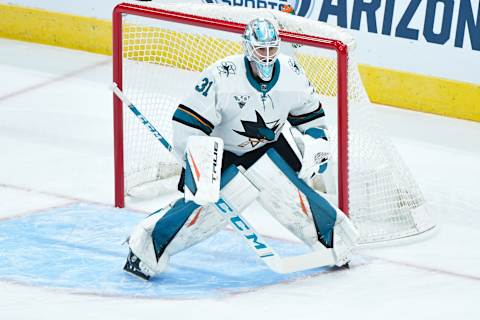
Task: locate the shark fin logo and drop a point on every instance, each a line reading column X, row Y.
column 258, row 131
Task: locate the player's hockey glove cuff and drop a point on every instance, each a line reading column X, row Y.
column 315, row 148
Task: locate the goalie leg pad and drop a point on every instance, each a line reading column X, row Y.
column 292, row 201
column 150, row 237
column 202, row 224
column 204, row 221
column 236, row 190
column 301, row 210
column 346, row 236
column 171, row 223
column 184, row 224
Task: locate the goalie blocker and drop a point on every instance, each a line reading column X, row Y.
column 203, row 161
column 266, row 176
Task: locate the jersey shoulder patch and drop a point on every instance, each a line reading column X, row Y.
column 294, row 66
column 290, row 65
column 227, row 67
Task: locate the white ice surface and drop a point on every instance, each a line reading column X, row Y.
column 56, row 148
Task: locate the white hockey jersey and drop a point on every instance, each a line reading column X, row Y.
column 230, row 103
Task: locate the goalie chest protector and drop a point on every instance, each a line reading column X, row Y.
column 230, row 103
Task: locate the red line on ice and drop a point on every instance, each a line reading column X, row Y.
column 53, row 80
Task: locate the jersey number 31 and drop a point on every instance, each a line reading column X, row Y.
column 204, row 86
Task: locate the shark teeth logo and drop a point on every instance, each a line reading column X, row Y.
column 241, row 100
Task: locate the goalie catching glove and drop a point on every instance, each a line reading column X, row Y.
column 315, row 149
column 203, row 166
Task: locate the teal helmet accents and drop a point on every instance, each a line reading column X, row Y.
column 261, row 42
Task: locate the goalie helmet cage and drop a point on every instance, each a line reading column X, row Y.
column 159, row 48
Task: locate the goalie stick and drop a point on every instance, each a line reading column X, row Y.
column 253, row 239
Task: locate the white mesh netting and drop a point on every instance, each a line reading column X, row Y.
column 161, row 59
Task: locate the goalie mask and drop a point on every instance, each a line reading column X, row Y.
column 261, row 42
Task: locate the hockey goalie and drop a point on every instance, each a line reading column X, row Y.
column 228, row 133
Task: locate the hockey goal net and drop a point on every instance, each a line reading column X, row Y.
column 158, row 51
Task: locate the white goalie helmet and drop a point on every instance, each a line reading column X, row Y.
column 261, row 42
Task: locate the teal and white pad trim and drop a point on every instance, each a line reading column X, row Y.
column 291, row 201
column 184, row 224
